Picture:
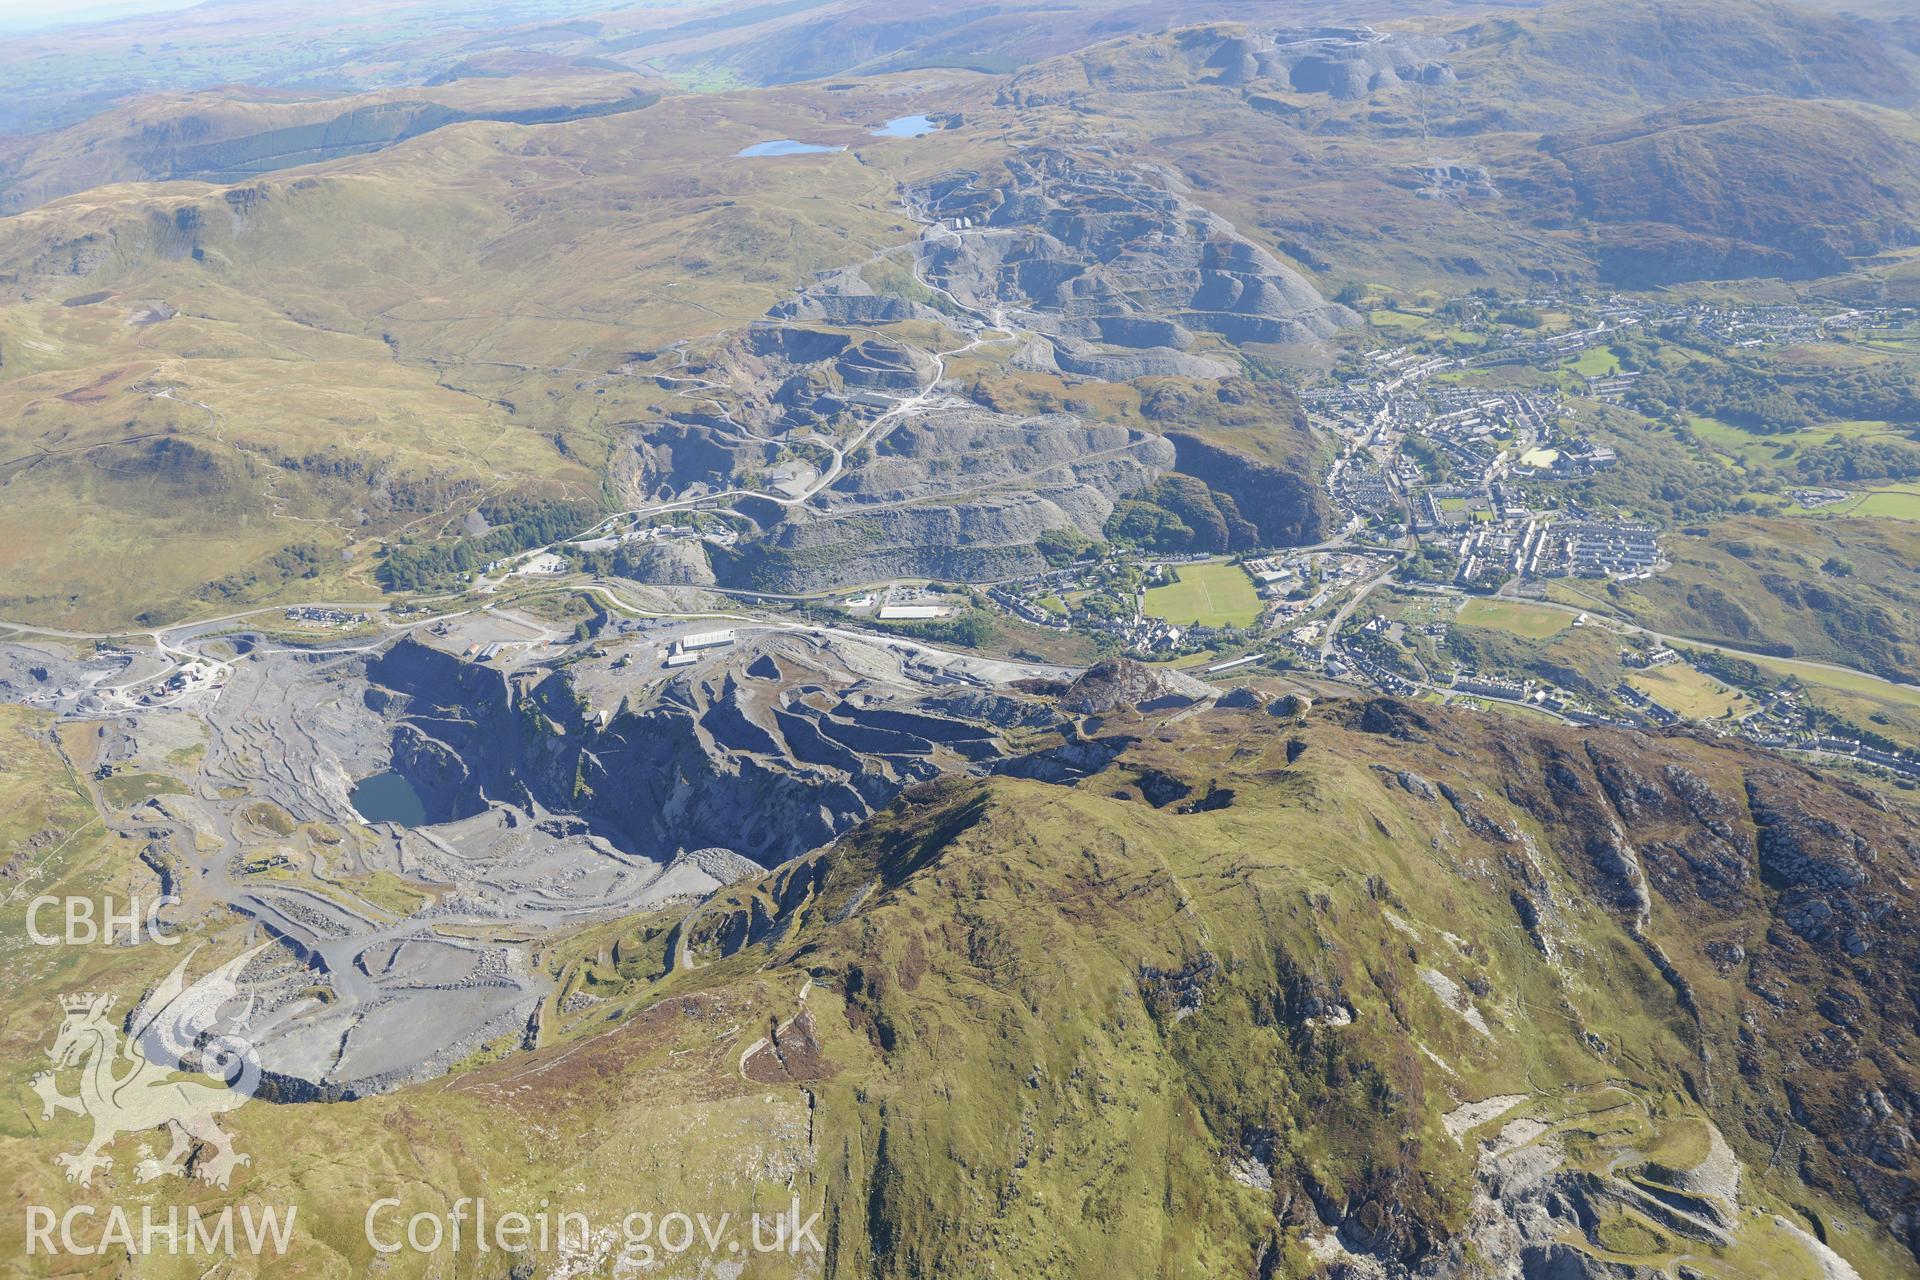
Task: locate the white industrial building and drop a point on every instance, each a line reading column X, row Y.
column 705, row 640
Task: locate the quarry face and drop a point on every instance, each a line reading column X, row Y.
column 560, row 784
column 851, row 452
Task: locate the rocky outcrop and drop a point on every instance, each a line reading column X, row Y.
column 1122, row 683
column 682, row 562
column 674, row 458
column 1820, row 866
column 1287, row 507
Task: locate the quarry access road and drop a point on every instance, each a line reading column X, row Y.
column 989, row 668
column 872, row 431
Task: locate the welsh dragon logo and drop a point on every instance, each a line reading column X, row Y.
column 131, row 1085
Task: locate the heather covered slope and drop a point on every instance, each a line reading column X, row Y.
column 1750, row 187
column 1279, row 960
column 1660, row 52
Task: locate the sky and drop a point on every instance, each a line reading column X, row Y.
column 26, row 15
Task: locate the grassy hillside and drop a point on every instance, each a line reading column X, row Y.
column 1219, row 1005
column 1055, row 976
column 1840, row 591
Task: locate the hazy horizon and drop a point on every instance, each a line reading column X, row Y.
column 37, row 15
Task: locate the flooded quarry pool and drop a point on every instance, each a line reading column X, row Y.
column 388, row 797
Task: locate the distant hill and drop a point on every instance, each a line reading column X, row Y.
column 229, row 135
column 1573, row 59
column 798, row 40
column 59, row 76
column 1743, row 188
column 1646, row 142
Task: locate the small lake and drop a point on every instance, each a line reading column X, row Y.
column 388, row 797
column 905, row 127
column 787, row 147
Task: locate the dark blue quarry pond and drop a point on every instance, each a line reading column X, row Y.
column 388, row 797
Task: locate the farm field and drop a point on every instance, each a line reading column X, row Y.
column 1758, row 450
column 1389, row 319
column 1596, row 362
column 1207, row 595
column 1894, row 502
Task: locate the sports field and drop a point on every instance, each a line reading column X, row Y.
column 1692, row 693
column 1209, row 595
column 1507, row 615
